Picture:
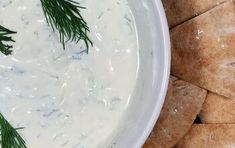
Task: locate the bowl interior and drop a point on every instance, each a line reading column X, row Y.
column 154, row 67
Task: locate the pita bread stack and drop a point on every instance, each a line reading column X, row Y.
column 203, row 50
column 209, row 136
column 183, row 103
column 203, row 59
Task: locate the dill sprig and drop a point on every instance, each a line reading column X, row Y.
column 65, row 17
column 5, row 37
column 9, row 137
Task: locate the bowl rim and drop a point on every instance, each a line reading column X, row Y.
column 166, row 74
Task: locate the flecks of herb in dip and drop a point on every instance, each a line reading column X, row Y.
column 65, row 98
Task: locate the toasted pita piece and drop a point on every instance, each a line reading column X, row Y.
column 203, row 50
column 209, row 136
column 183, row 103
column 151, row 144
column 218, row 109
column 178, row 11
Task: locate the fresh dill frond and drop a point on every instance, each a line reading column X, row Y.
column 65, row 17
column 5, row 37
column 9, row 137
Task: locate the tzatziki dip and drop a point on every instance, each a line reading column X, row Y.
column 66, row 98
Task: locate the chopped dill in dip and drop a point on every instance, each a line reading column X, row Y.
column 67, row 98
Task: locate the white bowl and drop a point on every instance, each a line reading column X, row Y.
column 154, row 69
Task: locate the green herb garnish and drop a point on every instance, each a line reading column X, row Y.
column 9, row 137
column 5, row 37
column 65, row 17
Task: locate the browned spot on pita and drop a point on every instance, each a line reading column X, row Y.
column 183, row 103
column 209, row 136
column 203, row 50
column 231, row 64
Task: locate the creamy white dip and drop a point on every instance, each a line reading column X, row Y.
column 64, row 98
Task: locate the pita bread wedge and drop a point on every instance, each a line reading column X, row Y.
column 203, row 50
column 209, row 136
column 218, row 109
column 151, row 144
column 183, row 103
column 178, row 11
